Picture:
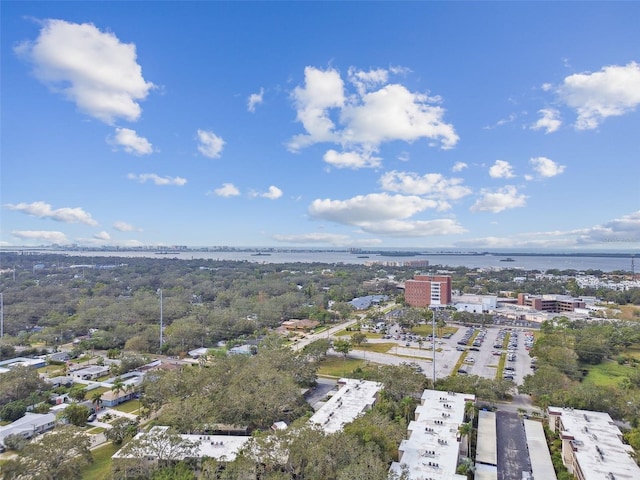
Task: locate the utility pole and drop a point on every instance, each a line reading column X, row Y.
column 2, row 314
column 433, row 323
column 161, row 326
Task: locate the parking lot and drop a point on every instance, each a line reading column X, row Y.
column 482, row 358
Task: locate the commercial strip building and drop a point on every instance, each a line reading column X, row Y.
column 592, row 447
column 432, row 447
column 428, row 290
column 550, row 303
column 353, row 399
column 541, row 464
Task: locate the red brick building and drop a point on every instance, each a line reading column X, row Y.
column 427, row 290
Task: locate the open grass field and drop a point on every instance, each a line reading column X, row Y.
column 630, row 312
column 339, row 367
column 608, row 373
column 425, row 330
column 376, row 347
column 50, row 369
column 345, row 333
column 100, row 469
column 632, row 351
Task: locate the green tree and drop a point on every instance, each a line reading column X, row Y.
column 76, row 414
column 121, row 429
column 78, row 392
column 358, row 338
column 342, row 346
column 13, row 411
column 59, row 454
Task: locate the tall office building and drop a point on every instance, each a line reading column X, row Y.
column 428, row 290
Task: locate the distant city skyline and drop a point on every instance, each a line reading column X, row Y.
column 409, row 125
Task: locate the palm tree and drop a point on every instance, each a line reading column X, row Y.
column 96, row 399
column 465, row 430
column 118, row 386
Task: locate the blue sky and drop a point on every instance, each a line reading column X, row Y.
column 329, row 124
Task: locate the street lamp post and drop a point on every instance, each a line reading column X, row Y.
column 161, row 326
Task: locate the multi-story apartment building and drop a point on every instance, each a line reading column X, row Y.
column 550, row 303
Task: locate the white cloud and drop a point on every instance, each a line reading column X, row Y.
column 546, row 167
column 549, row 120
column 625, row 229
column 618, row 231
column 91, row 68
column 131, row 142
column 102, row 236
column 369, row 208
column 430, row 184
column 459, row 166
column 255, row 99
column 375, row 113
column 272, row 194
column 318, row 238
column 365, row 81
column 502, row 121
column 125, row 227
column 322, row 90
column 419, row 228
column 395, row 113
column 157, row 179
column 501, row 169
column 497, row 201
column 211, row 145
column 227, row 190
column 353, row 160
column 44, row 210
column 612, row 91
column 40, row 236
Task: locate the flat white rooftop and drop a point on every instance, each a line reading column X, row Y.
column 597, row 444
column 432, row 447
column 354, row 398
column 541, row 464
column 221, row 447
column 487, row 447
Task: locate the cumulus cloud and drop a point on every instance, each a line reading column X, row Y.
column 322, row 91
column 102, row 236
column 40, row 236
column 549, row 120
column 91, row 68
column 272, row 194
column 157, row 179
column 384, row 214
column 227, row 190
column 625, row 229
column 131, row 142
column 316, row 238
column 255, row 99
column 361, row 120
column 431, row 184
column 369, row 208
column 210, row 145
column 44, row 210
column 612, row 91
column 353, row 160
column 499, row 200
column 501, row 169
column 459, row 166
column 546, row 167
column 125, row 227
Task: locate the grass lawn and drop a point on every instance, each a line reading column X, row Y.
column 90, row 393
column 607, row 373
column 100, row 469
column 425, row 330
column 342, row 333
column 128, row 407
column 95, row 430
column 632, row 351
column 338, row 367
column 630, row 312
column 376, row 347
column 51, row 368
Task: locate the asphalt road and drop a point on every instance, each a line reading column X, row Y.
column 513, row 454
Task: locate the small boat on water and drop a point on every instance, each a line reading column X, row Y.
column 508, row 259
